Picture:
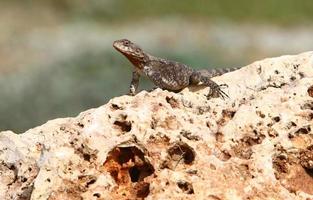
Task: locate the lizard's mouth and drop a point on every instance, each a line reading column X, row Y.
column 120, row 49
column 115, row 45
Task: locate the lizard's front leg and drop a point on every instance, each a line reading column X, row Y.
column 134, row 83
column 215, row 89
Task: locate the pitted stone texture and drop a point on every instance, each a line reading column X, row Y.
column 162, row 145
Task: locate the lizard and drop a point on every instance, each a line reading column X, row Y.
column 167, row 74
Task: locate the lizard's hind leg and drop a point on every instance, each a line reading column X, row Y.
column 215, row 89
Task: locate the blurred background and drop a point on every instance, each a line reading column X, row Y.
column 57, row 60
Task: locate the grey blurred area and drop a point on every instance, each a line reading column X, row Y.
column 57, row 60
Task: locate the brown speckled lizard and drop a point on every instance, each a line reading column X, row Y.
column 166, row 74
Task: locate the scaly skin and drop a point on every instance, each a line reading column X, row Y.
column 166, row 74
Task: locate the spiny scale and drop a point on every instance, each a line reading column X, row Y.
column 216, row 72
column 220, row 71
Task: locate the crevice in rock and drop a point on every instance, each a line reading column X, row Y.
column 129, row 168
column 84, row 151
column 310, row 91
column 97, row 195
column 116, row 107
column 173, row 102
column 122, row 124
column 178, row 153
column 87, row 180
column 185, row 186
column 125, row 126
column 182, row 150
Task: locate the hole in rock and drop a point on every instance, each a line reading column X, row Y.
column 172, row 101
column 116, row 107
column 185, row 187
column 182, row 151
column 96, row 195
column 125, row 126
column 86, row 157
column 134, row 173
column 128, row 164
column 129, row 167
column 310, row 91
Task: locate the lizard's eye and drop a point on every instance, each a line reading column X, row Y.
column 137, row 51
column 126, row 43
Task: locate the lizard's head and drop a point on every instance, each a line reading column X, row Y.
column 129, row 49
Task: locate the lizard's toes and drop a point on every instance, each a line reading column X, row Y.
column 217, row 92
column 223, row 94
column 131, row 93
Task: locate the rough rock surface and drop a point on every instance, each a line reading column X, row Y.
column 258, row 144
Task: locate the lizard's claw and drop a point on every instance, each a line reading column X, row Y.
column 132, row 91
column 216, row 91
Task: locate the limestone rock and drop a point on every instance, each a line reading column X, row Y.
column 258, row 144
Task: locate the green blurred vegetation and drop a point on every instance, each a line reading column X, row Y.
column 266, row 11
column 33, row 96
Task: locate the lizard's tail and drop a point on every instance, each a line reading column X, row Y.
column 216, row 72
column 221, row 71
